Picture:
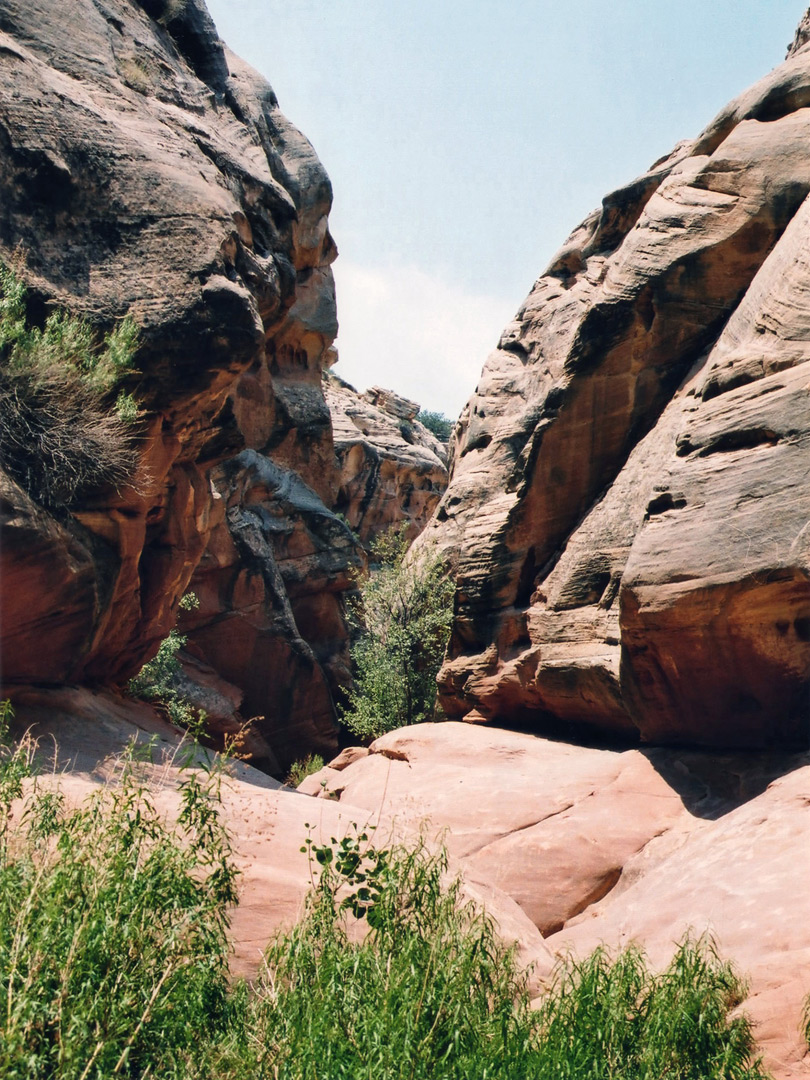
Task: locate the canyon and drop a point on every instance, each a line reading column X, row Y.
column 624, row 501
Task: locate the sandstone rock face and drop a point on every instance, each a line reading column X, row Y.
column 271, row 619
column 598, row 845
column 146, row 170
column 392, row 469
column 81, row 737
column 628, row 498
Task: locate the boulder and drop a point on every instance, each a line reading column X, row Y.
column 81, row 736
column 743, row 879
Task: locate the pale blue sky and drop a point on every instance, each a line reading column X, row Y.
column 466, row 138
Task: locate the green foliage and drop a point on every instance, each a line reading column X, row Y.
column 429, row 992
column 611, row 1019
column 126, row 408
column 300, row 770
column 403, row 618
column 64, row 342
column 113, row 936
column 61, row 436
column 113, row 962
column 15, row 766
column 155, row 681
column 437, row 423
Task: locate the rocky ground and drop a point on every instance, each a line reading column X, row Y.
column 603, row 845
column 567, row 846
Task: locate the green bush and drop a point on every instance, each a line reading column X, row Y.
column 155, row 682
column 437, row 423
column 63, row 435
column 113, row 934
column 430, row 993
column 612, row 1019
column 300, row 770
column 402, row 619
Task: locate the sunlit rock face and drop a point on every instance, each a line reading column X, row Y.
column 393, row 471
column 612, row 845
column 146, row 170
column 628, row 496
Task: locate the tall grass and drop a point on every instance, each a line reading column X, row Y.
column 113, row 933
column 611, row 1018
column 432, row 994
column 114, row 963
column 429, row 992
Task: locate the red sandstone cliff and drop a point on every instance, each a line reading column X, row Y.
column 147, row 170
column 628, row 497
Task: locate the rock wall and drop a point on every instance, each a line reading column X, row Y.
column 146, row 170
column 392, row 469
column 628, row 498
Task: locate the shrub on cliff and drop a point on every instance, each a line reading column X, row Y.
column 65, row 426
column 156, row 680
column 437, row 423
column 402, row 617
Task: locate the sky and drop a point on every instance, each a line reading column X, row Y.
column 465, row 139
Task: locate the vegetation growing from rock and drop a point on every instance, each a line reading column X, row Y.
column 155, row 681
column 402, row 618
column 304, row 767
column 65, row 424
column 436, row 422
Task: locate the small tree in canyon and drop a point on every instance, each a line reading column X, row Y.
column 403, row 615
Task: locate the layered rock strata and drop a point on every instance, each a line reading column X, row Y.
column 393, row 471
column 628, row 498
column 146, row 170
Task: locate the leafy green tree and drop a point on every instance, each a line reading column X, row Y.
column 436, row 422
column 155, row 681
column 403, row 617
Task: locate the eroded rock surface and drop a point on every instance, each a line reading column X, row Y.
column 393, row 471
column 628, row 498
column 146, row 170
column 81, row 738
column 599, row 845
